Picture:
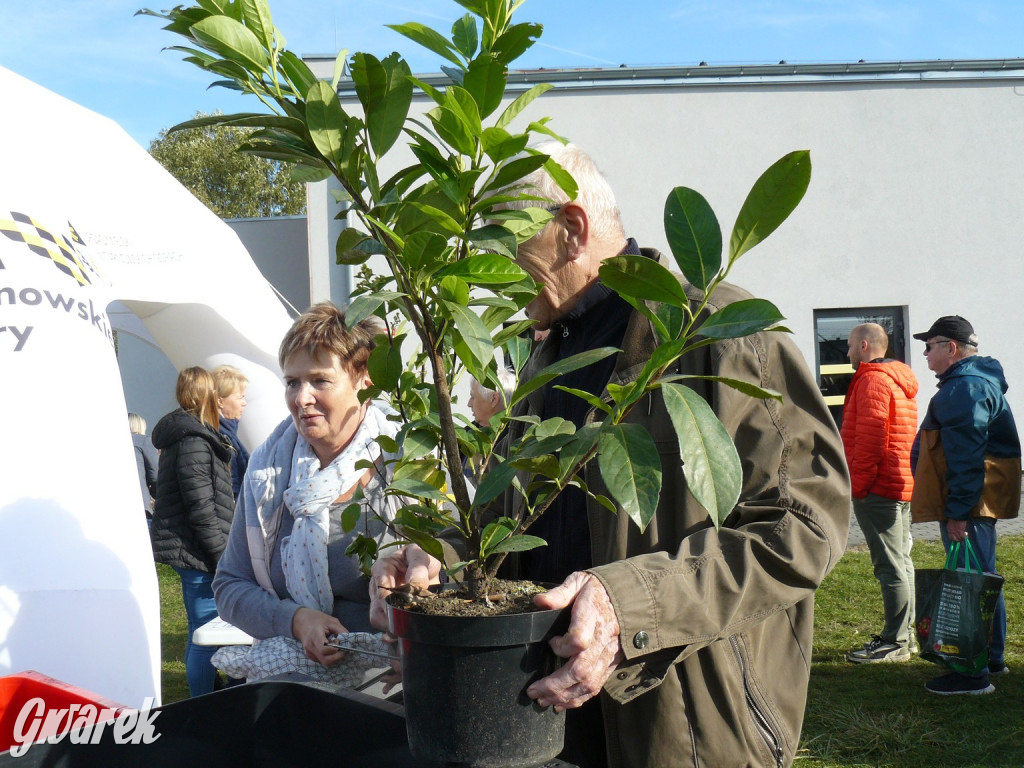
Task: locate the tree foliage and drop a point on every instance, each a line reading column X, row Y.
column 234, row 185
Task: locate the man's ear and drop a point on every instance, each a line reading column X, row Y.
column 577, row 230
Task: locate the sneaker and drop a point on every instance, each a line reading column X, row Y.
column 955, row 684
column 877, row 650
column 997, row 670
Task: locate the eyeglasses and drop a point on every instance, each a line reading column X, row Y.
column 929, row 344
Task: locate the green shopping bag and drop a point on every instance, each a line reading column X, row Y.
column 954, row 611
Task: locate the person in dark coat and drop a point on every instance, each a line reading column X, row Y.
column 194, row 508
column 231, row 385
column 146, row 459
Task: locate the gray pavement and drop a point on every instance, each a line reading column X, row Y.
column 930, row 531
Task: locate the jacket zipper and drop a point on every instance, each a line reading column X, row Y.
column 761, row 720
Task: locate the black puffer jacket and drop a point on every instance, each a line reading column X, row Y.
column 194, row 503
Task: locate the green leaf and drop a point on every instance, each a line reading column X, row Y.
column 327, row 122
column 485, row 81
column 307, row 174
column 485, row 269
column 426, row 542
column 500, row 145
column 524, row 223
column 631, row 469
column 454, row 289
column 345, row 248
column 520, row 543
column 571, row 363
column 496, row 480
column 474, row 333
column 410, row 486
column 772, row 198
column 453, row 129
column 583, row 442
column 515, row 41
column 494, row 237
column 465, row 37
column 673, row 318
column 741, row 318
column 518, row 350
column 385, row 365
column 419, row 443
column 522, row 101
column 562, row 178
column 694, row 236
column 512, row 330
column 738, row 384
column 593, row 400
column 385, row 91
column 424, row 250
column 514, row 170
column 363, row 306
column 350, row 517
column 256, row 14
column 710, row 462
column 297, row 71
column 644, row 278
column 428, row 38
column 339, row 67
column 495, row 532
column 231, row 40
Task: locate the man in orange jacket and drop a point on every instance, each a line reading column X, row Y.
column 879, row 424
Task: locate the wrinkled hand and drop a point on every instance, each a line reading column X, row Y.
column 409, row 565
column 591, row 645
column 312, row 628
column 957, row 529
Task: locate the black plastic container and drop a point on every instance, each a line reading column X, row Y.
column 464, row 683
column 273, row 724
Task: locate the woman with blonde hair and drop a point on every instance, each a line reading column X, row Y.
column 286, row 578
column 231, row 385
column 194, row 507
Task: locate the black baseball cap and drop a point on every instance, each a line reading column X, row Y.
column 951, row 327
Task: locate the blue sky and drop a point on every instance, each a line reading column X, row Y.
column 97, row 53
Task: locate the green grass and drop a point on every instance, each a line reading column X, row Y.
column 173, row 629
column 879, row 714
column 857, row 715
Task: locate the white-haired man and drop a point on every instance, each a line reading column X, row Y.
column 689, row 645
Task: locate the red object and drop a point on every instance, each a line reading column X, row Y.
column 17, row 690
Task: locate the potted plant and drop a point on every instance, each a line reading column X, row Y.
column 453, row 287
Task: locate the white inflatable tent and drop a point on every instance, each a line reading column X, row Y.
column 88, row 217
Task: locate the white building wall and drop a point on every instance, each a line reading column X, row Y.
column 914, row 201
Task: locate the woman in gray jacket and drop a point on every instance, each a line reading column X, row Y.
column 285, row 578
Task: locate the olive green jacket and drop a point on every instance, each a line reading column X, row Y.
column 716, row 625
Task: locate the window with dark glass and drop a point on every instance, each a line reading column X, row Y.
column 832, row 331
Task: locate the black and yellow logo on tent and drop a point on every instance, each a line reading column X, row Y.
column 62, row 250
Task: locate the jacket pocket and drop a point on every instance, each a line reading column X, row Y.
column 759, row 711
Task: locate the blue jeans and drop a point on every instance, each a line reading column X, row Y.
column 982, row 533
column 197, row 594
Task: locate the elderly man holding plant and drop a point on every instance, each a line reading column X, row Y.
column 689, row 644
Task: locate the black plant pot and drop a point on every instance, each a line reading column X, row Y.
column 464, row 683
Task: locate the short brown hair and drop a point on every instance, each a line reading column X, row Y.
column 228, row 379
column 197, row 394
column 321, row 330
